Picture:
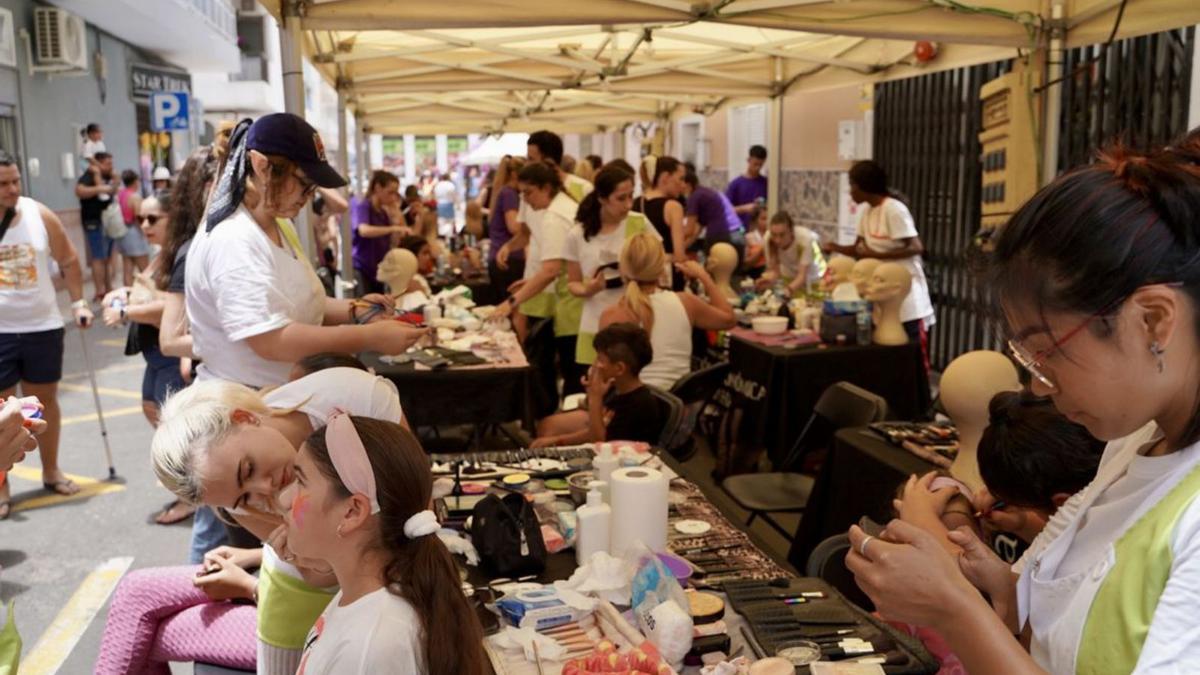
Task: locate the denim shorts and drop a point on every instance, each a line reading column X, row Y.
column 134, row 243
column 99, row 245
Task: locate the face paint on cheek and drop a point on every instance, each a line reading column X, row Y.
column 299, row 509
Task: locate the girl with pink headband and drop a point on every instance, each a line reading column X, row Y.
column 360, row 501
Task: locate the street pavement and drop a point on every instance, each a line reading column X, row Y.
column 60, row 560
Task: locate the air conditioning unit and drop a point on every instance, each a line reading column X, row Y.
column 60, row 38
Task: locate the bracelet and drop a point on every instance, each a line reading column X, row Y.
column 79, row 304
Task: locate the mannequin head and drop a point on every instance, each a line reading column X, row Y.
column 968, row 386
column 397, row 269
column 722, row 262
column 861, row 274
column 839, row 268
column 890, row 283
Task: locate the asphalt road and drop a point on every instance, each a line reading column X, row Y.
column 50, row 553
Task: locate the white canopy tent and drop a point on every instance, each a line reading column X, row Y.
column 494, row 148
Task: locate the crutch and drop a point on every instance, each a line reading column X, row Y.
column 87, row 359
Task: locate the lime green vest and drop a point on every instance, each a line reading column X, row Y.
column 10, row 645
column 287, row 608
column 1119, row 618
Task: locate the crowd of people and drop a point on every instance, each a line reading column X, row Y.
column 310, row 493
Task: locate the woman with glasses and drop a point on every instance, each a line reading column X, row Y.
column 1098, row 278
column 255, row 304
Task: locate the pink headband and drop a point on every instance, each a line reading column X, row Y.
column 349, row 457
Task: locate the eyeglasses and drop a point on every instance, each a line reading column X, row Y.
column 1032, row 361
column 307, row 187
column 153, row 220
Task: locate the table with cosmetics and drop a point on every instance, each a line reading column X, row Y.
column 742, row 602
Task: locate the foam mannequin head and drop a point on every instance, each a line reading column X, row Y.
column 862, row 272
column 722, row 262
column 397, row 269
column 968, row 385
column 887, row 290
column 838, row 271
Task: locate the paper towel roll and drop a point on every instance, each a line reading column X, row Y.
column 639, row 509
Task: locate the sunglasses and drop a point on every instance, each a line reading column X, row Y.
column 153, row 220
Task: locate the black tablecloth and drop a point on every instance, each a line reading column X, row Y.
column 775, row 388
column 450, row 396
column 859, row 478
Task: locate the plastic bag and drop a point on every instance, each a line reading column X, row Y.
column 668, row 627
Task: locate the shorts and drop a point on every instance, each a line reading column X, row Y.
column 99, row 245
column 162, row 376
column 36, row 358
column 134, row 243
column 445, row 210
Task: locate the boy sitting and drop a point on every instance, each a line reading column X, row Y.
column 619, row 406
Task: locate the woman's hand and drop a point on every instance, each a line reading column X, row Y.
column 113, row 317
column 503, row 310
column 980, row 564
column 692, row 270
column 544, row 442
column 386, row 301
column 998, row 517
column 121, row 294
column 918, row 504
column 244, row 558
column 223, row 580
column 907, row 574
column 16, row 432
column 516, row 286
column 596, row 284
column 502, row 258
column 393, row 337
column 185, row 370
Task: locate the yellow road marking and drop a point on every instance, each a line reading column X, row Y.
column 55, row 645
column 107, row 391
column 121, row 367
column 88, row 487
column 113, row 343
column 91, row 417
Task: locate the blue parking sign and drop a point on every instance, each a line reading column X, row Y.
column 169, row 111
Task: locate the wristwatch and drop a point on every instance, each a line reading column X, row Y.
column 79, row 304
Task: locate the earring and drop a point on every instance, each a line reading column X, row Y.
column 339, row 531
column 1158, row 352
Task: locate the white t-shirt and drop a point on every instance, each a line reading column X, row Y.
column 1172, row 644
column 240, row 284
column 591, row 254
column 355, row 391
column 882, row 228
column 799, row 254
column 378, row 633
column 548, row 230
column 90, row 148
column 444, row 191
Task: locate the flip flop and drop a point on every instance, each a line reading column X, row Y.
column 164, row 519
column 62, row 487
column 5, row 509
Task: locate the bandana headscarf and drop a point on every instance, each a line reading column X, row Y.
column 232, row 186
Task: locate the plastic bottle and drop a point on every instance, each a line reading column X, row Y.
column 605, row 462
column 862, row 321
column 594, row 522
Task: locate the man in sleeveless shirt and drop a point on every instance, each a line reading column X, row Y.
column 31, row 326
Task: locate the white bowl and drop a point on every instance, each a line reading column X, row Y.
column 769, row 325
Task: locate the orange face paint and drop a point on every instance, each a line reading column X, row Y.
column 299, row 508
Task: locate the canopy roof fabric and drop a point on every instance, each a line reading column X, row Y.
column 588, row 65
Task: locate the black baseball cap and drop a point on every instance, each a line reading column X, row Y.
column 288, row 135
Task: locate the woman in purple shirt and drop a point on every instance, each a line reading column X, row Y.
column 503, row 225
column 373, row 220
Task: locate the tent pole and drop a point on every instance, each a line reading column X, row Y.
column 291, row 41
column 775, row 139
column 339, row 289
column 1052, row 95
column 360, row 157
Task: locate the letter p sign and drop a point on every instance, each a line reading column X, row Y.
column 169, row 111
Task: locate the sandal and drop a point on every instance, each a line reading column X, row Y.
column 5, row 509
column 65, row 487
column 175, row 512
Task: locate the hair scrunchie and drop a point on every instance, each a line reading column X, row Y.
column 421, row 524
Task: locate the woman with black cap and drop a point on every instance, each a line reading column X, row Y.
column 255, row 304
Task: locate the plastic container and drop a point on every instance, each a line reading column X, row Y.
column 862, row 322
column 605, row 462
column 593, row 524
column 769, row 325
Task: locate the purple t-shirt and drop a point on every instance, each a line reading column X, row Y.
column 715, row 213
column 743, row 190
column 367, row 252
column 507, row 200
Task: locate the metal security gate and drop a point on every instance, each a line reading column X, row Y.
column 1136, row 90
column 926, row 137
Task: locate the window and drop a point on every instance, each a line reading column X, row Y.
column 690, row 143
column 747, row 127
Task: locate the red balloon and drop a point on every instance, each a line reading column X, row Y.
column 924, row 51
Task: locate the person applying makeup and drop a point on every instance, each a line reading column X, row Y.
column 360, row 501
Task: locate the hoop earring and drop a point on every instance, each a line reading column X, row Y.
column 1158, row 352
column 339, row 531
